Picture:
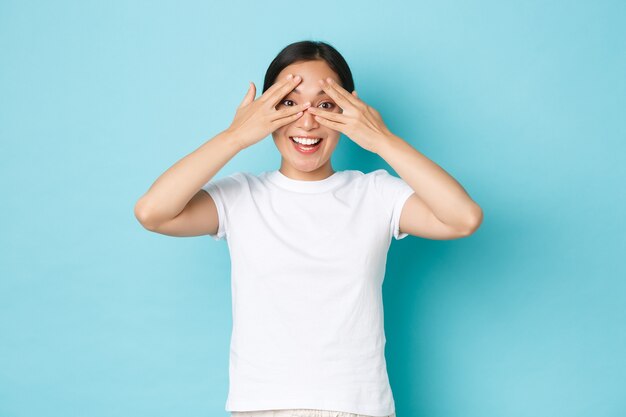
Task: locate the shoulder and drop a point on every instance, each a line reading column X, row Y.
column 238, row 177
column 380, row 178
column 376, row 177
column 371, row 182
column 244, row 176
column 228, row 185
column 353, row 174
column 378, row 173
column 388, row 186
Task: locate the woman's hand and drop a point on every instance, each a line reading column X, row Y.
column 255, row 119
column 360, row 122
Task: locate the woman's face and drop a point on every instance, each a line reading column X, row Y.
column 295, row 161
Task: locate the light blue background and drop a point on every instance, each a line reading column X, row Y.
column 522, row 102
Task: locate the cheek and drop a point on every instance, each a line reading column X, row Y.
column 276, row 136
column 280, row 130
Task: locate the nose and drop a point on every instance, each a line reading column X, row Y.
column 307, row 121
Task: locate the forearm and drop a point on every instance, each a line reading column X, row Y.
column 171, row 192
column 440, row 192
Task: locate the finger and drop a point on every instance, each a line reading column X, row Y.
column 290, row 110
column 355, row 94
column 277, row 84
column 285, row 120
column 336, row 117
column 250, row 94
column 339, row 99
column 329, row 123
column 354, row 101
column 282, row 88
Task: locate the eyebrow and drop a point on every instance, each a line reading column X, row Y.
column 319, row 93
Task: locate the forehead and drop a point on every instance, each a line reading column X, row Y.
column 310, row 71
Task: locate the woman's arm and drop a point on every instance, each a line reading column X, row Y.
column 176, row 187
column 440, row 208
column 171, row 192
column 445, row 197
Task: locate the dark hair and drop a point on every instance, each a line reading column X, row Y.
column 309, row 51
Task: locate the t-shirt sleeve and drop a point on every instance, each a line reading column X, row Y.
column 225, row 192
column 394, row 192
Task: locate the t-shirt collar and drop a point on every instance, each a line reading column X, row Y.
column 304, row 186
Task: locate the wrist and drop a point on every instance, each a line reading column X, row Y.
column 232, row 139
column 384, row 142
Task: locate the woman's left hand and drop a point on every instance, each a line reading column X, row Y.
column 358, row 121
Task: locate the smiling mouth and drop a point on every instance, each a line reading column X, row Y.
column 305, row 148
column 293, row 140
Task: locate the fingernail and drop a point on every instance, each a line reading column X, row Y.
column 296, row 78
column 307, row 104
column 290, row 76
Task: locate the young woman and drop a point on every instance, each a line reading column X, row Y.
column 308, row 244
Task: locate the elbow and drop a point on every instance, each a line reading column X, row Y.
column 142, row 215
column 475, row 219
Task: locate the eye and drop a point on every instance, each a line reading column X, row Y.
column 287, row 101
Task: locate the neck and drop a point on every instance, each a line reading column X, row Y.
column 318, row 174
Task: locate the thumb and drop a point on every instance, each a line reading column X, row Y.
column 249, row 98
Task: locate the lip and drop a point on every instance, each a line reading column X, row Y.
column 299, row 150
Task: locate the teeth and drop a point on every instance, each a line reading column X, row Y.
column 305, row 141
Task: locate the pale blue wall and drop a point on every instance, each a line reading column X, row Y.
column 522, row 102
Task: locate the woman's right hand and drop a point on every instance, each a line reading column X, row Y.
column 255, row 119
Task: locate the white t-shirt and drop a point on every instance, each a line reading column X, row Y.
column 308, row 260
